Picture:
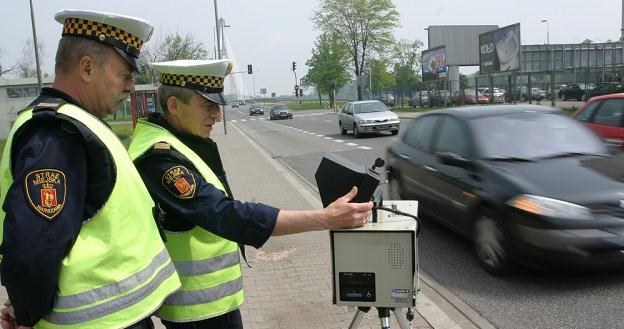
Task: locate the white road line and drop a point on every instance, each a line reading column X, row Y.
column 319, row 135
column 243, row 120
column 351, row 144
column 328, row 137
column 328, row 121
column 233, row 121
column 365, row 147
column 338, row 141
column 304, row 131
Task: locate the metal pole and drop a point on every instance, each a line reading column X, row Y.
column 219, row 54
column 370, row 77
column 34, row 31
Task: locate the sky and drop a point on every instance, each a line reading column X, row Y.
column 270, row 35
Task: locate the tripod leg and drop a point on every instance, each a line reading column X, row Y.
column 357, row 318
column 384, row 317
column 401, row 319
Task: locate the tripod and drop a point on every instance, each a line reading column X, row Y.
column 384, row 317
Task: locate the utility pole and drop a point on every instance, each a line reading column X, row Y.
column 216, row 11
column 34, row 31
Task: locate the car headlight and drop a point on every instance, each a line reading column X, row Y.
column 366, row 121
column 548, row 207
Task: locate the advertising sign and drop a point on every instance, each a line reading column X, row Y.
column 499, row 50
column 434, row 63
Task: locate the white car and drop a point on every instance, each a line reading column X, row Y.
column 367, row 117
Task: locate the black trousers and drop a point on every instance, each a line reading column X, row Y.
column 231, row 320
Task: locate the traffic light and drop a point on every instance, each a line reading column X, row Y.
column 249, row 69
column 294, row 66
column 300, row 92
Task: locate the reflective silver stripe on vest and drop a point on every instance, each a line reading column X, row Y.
column 113, row 289
column 112, row 306
column 201, row 296
column 198, row 267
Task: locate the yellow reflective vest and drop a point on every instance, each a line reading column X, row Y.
column 118, row 272
column 208, row 265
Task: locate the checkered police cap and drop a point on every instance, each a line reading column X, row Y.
column 204, row 76
column 127, row 34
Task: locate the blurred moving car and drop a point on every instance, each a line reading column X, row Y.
column 605, row 116
column 280, row 111
column 469, row 97
column 256, row 109
column 367, row 117
column 523, row 182
column 234, row 105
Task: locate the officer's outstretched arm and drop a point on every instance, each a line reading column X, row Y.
column 339, row 214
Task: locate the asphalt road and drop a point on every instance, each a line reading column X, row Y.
column 525, row 299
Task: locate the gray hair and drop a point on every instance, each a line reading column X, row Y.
column 72, row 49
column 165, row 91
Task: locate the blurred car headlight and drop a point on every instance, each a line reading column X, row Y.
column 548, row 207
column 366, row 121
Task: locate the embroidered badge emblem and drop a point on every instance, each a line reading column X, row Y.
column 45, row 191
column 180, row 182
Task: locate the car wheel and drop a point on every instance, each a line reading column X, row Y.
column 343, row 131
column 395, row 190
column 394, row 132
column 489, row 244
column 290, row 116
column 270, row 117
column 563, row 97
column 356, row 132
column 583, row 98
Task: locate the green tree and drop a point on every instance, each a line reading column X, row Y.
column 26, row 66
column 173, row 46
column 587, row 41
column 382, row 78
column 361, row 26
column 463, row 81
column 327, row 67
column 406, row 58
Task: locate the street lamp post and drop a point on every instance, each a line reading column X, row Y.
column 550, row 63
column 219, row 54
column 32, row 19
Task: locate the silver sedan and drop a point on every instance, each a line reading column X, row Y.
column 367, row 117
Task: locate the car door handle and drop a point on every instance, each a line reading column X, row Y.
column 429, row 168
column 403, row 156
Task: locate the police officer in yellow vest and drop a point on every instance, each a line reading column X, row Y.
column 182, row 169
column 80, row 246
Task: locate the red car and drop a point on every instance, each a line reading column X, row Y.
column 605, row 116
column 468, row 97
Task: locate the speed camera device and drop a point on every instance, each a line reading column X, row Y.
column 375, row 265
column 336, row 176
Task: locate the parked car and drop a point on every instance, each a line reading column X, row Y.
column 523, row 182
column 498, row 94
column 469, row 97
column 604, row 88
column 280, row 111
column 440, row 98
column 234, row 105
column 420, row 99
column 256, row 109
column 605, row 116
column 367, row 117
column 572, row 91
column 521, row 94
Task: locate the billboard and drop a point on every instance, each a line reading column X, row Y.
column 499, row 50
column 434, row 63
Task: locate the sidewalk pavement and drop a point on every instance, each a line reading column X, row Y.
column 289, row 282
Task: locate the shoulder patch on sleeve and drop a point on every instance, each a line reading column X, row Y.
column 45, row 190
column 180, row 182
column 162, row 146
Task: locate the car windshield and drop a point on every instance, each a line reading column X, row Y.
column 531, row 135
column 369, row 107
column 280, row 107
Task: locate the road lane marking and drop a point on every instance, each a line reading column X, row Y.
column 338, row 141
column 351, row 144
column 365, row 147
column 328, row 137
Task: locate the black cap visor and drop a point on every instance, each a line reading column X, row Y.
column 132, row 61
column 214, row 97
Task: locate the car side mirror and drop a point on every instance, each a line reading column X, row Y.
column 452, row 159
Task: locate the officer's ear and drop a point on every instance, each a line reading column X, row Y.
column 172, row 105
column 86, row 68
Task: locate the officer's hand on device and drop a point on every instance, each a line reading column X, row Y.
column 7, row 317
column 344, row 214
